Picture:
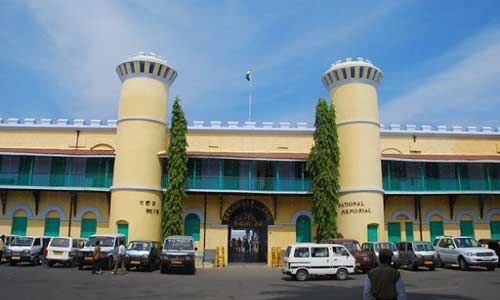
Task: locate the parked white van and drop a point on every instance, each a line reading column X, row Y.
column 304, row 260
column 63, row 250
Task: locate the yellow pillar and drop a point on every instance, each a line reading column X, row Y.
column 352, row 85
column 136, row 193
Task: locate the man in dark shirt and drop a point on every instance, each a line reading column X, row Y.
column 384, row 282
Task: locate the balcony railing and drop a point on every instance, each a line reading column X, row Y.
column 55, row 180
column 421, row 181
column 255, row 184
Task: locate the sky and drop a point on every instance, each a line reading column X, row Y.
column 441, row 59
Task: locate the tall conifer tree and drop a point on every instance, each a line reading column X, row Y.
column 177, row 169
column 323, row 164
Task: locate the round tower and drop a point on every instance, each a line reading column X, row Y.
column 136, row 194
column 352, row 85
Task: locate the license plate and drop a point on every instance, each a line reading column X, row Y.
column 58, row 253
column 135, row 262
column 16, row 258
column 176, row 262
column 428, row 262
column 358, row 264
column 88, row 258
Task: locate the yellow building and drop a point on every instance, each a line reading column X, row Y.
column 248, row 190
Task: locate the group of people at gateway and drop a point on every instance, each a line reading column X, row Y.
column 245, row 245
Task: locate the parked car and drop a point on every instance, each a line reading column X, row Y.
column 361, row 256
column 109, row 249
column 464, row 251
column 417, row 254
column 143, row 254
column 493, row 245
column 304, row 260
column 178, row 254
column 373, row 248
column 62, row 250
column 25, row 249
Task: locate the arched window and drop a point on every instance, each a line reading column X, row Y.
column 303, row 229
column 89, row 225
column 19, row 223
column 372, row 232
column 467, row 226
column 52, row 224
column 192, row 226
column 394, row 231
column 436, row 227
column 122, row 227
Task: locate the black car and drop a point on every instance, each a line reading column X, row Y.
column 417, row 254
column 143, row 255
column 178, row 254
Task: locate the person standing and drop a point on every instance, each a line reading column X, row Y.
column 97, row 259
column 384, row 282
column 2, row 246
column 120, row 264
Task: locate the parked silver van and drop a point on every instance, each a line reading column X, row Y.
column 109, row 250
column 25, row 249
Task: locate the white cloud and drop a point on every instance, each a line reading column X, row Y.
column 465, row 91
column 209, row 45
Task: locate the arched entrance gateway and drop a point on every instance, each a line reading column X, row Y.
column 247, row 222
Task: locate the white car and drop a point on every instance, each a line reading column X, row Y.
column 63, row 250
column 109, row 250
column 464, row 251
column 304, row 260
column 25, row 249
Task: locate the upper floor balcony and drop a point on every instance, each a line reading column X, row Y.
column 440, row 177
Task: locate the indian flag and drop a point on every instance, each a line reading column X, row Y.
column 249, row 75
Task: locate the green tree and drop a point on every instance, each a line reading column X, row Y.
column 177, row 169
column 323, row 165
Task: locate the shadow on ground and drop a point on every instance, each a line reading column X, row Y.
column 316, row 292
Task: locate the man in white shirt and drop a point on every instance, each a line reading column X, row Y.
column 121, row 259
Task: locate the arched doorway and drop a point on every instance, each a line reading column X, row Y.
column 247, row 222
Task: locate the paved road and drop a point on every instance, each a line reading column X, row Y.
column 234, row 282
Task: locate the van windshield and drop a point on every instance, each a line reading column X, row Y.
column 106, row 241
column 287, row 252
column 424, row 247
column 352, row 246
column 179, row 244
column 59, row 242
column 466, row 242
column 379, row 246
column 139, row 246
column 22, row 241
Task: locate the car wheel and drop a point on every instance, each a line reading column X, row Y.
column 11, row 263
column 163, row 269
column 127, row 268
column 441, row 263
column 109, row 264
column 411, row 266
column 364, row 271
column 50, row 264
column 342, row 274
column 301, row 275
column 462, row 264
column 490, row 268
column 432, row 268
column 80, row 266
column 35, row 261
column 193, row 270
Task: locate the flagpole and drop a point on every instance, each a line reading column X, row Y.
column 250, row 100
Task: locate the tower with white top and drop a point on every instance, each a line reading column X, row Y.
column 352, row 85
column 136, row 194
